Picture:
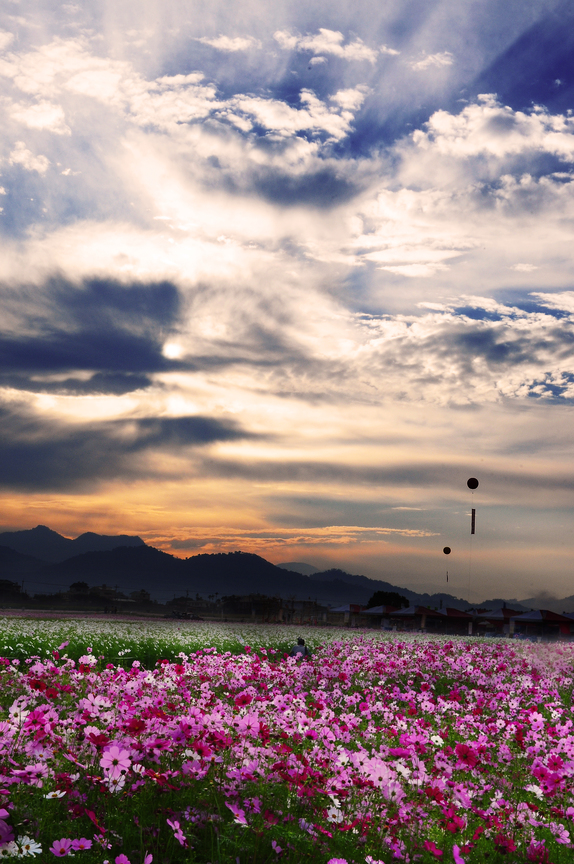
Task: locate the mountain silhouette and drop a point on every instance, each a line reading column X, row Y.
column 13, row 563
column 51, row 563
column 43, row 543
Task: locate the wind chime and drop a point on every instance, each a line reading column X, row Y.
column 472, row 484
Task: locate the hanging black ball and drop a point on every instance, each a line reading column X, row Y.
column 446, row 550
column 472, row 483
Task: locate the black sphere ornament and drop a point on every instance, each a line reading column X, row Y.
column 446, row 550
column 472, row 483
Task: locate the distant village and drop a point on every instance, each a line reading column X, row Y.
column 386, row 611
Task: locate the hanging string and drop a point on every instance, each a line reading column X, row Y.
column 472, row 484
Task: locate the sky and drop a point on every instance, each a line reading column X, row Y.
column 281, row 277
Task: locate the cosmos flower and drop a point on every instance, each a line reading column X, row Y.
column 62, row 847
column 115, row 761
column 28, row 846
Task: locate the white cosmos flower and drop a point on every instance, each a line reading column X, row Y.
column 116, row 784
column 27, row 846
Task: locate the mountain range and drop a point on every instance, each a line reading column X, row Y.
column 46, row 562
column 47, row 545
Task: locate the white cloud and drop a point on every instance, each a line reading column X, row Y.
column 524, row 268
column 42, row 115
column 285, row 120
column 491, row 128
column 326, row 42
column 21, row 156
column 352, row 98
column 384, row 49
column 6, row 39
column 231, row 44
column 68, row 69
column 563, row 300
column 317, row 61
column 440, row 60
column 415, row 271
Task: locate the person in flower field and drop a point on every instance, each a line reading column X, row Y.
column 300, row 649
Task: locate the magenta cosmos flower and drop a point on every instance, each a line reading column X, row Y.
column 61, row 847
column 80, row 844
column 115, row 761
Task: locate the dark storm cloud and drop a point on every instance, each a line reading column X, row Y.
column 39, row 455
column 101, row 326
column 143, row 305
column 111, row 383
column 114, row 334
column 322, row 189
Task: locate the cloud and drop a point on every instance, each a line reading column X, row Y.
column 489, row 128
column 114, row 332
column 6, row 39
column 524, row 268
column 439, row 61
column 439, row 478
column 352, row 98
column 20, row 155
column 37, row 453
column 326, row 42
column 314, row 117
column 41, row 115
column 231, row 44
column 337, row 536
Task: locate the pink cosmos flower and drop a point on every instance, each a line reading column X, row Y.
column 122, row 859
column 431, row 847
column 81, row 844
column 177, row 832
column 115, row 761
column 61, row 847
column 456, row 855
column 467, row 757
column 249, row 725
column 238, row 813
column 6, row 834
column 555, row 763
column 537, row 852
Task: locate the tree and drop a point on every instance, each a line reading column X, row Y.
column 79, row 587
column 387, row 598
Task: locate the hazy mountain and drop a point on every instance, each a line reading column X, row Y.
column 299, row 567
column 14, row 564
column 128, row 568
column 548, row 601
column 126, row 562
column 131, row 568
column 41, row 542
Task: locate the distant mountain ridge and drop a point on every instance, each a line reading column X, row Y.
column 128, row 563
column 13, row 563
column 43, row 543
column 299, row 567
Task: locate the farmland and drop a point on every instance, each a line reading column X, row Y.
column 176, row 742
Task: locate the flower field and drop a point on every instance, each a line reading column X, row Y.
column 200, row 743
